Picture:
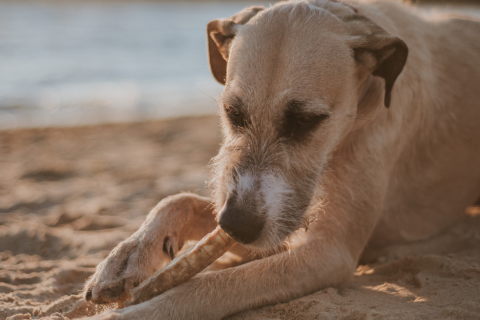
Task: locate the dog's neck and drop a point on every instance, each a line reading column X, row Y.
column 364, row 89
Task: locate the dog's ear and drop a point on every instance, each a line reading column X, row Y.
column 378, row 52
column 220, row 34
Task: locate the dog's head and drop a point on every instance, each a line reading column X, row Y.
column 295, row 76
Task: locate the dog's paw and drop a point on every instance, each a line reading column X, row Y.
column 130, row 263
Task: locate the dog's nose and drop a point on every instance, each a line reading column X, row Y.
column 242, row 225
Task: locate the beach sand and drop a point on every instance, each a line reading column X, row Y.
column 69, row 195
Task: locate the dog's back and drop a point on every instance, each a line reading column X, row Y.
column 437, row 122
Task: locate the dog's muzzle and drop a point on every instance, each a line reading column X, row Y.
column 240, row 222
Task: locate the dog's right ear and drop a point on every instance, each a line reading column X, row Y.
column 220, row 34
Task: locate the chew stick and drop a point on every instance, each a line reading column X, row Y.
column 184, row 267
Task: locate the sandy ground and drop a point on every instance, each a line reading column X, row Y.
column 68, row 196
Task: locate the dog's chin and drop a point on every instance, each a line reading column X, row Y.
column 274, row 238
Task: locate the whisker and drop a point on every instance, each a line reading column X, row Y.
column 364, row 119
column 214, row 99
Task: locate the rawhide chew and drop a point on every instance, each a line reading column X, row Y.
column 184, row 267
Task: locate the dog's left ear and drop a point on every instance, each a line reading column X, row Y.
column 220, row 34
column 380, row 53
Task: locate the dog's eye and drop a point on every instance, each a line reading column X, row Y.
column 298, row 123
column 298, row 126
column 236, row 118
column 304, row 121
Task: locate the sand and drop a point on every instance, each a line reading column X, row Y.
column 68, row 196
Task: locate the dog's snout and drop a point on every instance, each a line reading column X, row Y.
column 242, row 224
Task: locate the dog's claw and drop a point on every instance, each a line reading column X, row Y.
column 88, row 295
column 168, row 247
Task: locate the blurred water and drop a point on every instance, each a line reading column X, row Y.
column 92, row 62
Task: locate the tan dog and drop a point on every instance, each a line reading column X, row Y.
column 362, row 117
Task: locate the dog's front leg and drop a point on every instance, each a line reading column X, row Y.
column 328, row 257
column 173, row 221
column 278, row 278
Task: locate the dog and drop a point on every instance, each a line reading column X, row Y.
column 348, row 127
